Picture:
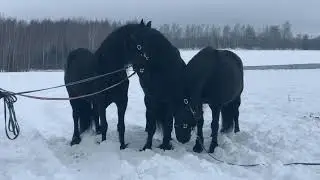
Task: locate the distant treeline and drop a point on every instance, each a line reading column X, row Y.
column 45, row 44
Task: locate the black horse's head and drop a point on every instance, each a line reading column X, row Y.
column 186, row 117
column 118, row 49
column 136, row 51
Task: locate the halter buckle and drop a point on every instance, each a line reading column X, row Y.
column 186, row 101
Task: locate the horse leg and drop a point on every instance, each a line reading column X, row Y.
column 214, row 127
column 147, row 126
column 122, row 106
column 104, row 123
column 198, row 147
column 76, row 117
column 236, row 114
column 167, row 119
column 76, row 134
column 151, row 119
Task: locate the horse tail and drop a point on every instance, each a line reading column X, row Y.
column 86, row 116
column 155, row 113
column 159, row 124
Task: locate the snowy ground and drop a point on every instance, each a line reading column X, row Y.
column 265, row 57
column 277, row 120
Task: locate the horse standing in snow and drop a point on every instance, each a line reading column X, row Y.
column 161, row 80
column 113, row 56
column 80, row 65
column 116, row 52
column 213, row 77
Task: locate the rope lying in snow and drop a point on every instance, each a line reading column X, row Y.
column 11, row 125
column 9, row 98
column 254, row 165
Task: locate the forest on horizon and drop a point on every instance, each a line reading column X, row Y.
column 45, row 44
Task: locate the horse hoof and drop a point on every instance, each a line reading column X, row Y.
column 98, row 132
column 197, row 148
column 166, row 147
column 226, row 130
column 103, row 138
column 212, row 147
column 75, row 140
column 236, row 130
column 145, row 148
column 123, row 146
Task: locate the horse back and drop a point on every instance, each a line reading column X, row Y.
column 215, row 75
column 227, row 78
column 80, row 65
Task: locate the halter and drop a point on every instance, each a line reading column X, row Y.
column 193, row 112
column 142, row 54
column 140, row 51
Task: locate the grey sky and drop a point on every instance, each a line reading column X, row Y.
column 303, row 14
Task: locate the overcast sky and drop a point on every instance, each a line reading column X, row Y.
column 304, row 15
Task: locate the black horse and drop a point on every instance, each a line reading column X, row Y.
column 213, row 77
column 116, row 52
column 161, row 80
column 80, row 65
column 112, row 57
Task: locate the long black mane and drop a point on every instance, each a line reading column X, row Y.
column 165, row 65
column 113, row 51
column 161, row 81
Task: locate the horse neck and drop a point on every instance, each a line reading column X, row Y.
column 177, row 75
column 110, row 57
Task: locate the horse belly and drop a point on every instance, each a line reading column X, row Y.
column 223, row 90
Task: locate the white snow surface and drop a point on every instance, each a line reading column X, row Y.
column 277, row 121
column 268, row 57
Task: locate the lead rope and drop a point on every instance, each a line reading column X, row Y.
column 75, row 82
column 9, row 98
column 11, row 125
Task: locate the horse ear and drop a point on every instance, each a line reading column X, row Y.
column 149, row 24
column 141, row 22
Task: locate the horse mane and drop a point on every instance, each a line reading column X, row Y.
column 166, row 47
column 110, row 45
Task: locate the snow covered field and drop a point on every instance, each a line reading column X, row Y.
column 277, row 121
column 265, row 57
